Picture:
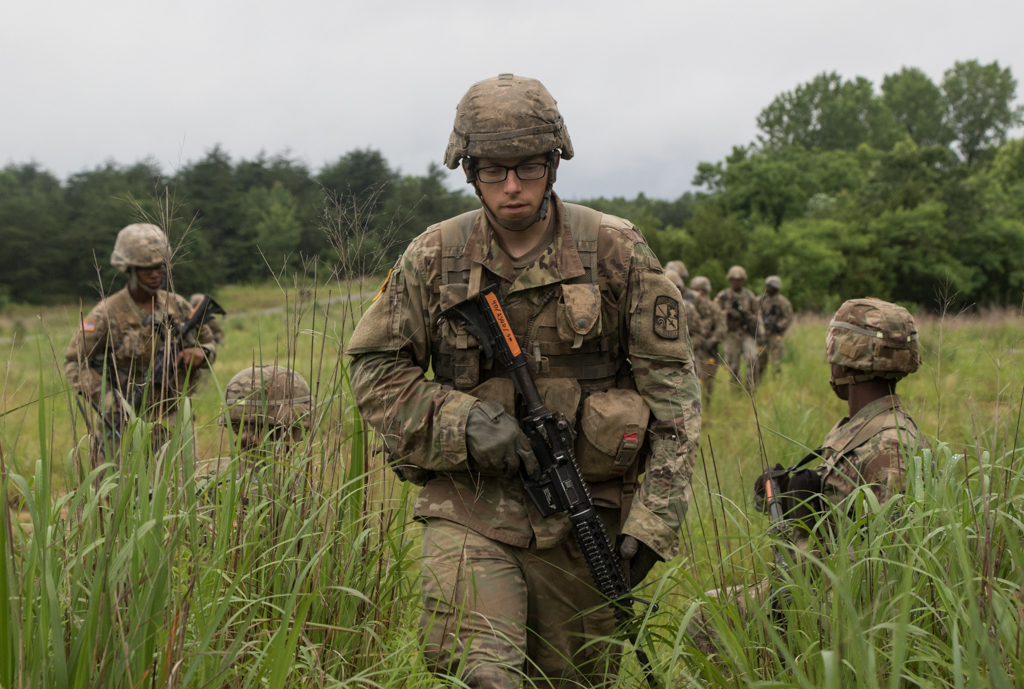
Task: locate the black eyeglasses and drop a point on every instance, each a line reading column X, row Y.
column 498, row 173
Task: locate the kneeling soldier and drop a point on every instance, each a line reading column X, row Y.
column 871, row 345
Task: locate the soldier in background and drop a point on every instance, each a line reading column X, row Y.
column 506, row 592
column 215, row 327
column 111, row 353
column 775, row 315
column 740, row 307
column 713, row 327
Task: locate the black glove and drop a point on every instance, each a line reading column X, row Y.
column 641, row 559
column 496, row 443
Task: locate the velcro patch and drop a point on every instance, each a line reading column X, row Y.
column 666, row 318
column 88, row 326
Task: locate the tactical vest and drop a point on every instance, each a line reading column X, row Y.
column 566, row 339
column 889, row 420
column 572, row 343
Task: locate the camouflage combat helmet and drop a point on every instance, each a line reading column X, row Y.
column 701, row 283
column 196, row 298
column 873, row 336
column 506, row 117
column 271, row 395
column 736, row 273
column 773, row 281
column 139, row 246
column 677, row 267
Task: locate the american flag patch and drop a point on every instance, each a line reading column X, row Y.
column 88, row 326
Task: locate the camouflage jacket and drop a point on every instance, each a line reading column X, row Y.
column 869, row 448
column 637, row 312
column 740, row 310
column 712, row 319
column 776, row 314
column 113, row 333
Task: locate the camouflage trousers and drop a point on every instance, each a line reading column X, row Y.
column 494, row 614
column 770, row 353
column 707, row 368
column 739, row 349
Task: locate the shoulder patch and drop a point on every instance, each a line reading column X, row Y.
column 666, row 318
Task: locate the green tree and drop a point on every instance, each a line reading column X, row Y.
column 360, row 172
column 272, row 230
column 33, row 220
column 827, row 113
column 979, row 101
column 917, row 106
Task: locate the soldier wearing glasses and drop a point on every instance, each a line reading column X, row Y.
column 505, row 591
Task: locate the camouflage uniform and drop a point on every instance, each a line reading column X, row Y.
column 113, row 341
column 606, row 338
column 713, row 329
column 775, row 315
column 740, row 309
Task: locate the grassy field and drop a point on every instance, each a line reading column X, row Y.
column 316, row 586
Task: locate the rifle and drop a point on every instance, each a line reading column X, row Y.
column 559, row 486
column 745, row 321
column 767, row 320
column 170, row 346
column 777, row 595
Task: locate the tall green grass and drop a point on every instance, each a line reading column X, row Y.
column 303, row 571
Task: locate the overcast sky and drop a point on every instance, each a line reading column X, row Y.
column 647, row 89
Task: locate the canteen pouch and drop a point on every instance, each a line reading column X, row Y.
column 612, row 427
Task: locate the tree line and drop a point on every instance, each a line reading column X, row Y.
column 912, row 192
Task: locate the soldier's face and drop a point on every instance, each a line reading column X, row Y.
column 151, row 276
column 771, row 291
column 513, row 199
column 737, row 284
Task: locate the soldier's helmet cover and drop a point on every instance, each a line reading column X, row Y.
column 195, row 299
column 506, row 117
column 773, row 281
column 677, row 267
column 268, row 396
column 736, row 273
column 701, row 283
column 872, row 336
column 139, row 246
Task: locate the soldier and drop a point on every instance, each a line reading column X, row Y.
column 871, row 345
column 113, row 348
column 505, row 590
column 268, row 408
column 775, row 315
column 740, row 307
column 215, row 327
column 714, row 330
column 676, row 272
